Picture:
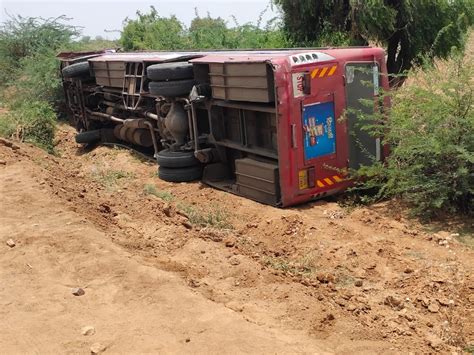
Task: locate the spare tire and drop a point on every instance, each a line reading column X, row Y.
column 189, row 173
column 76, row 70
column 169, row 159
column 171, row 88
column 170, row 71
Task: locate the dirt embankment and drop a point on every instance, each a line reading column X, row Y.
column 184, row 267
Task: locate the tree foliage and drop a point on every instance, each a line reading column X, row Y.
column 413, row 31
column 30, row 84
column 152, row 31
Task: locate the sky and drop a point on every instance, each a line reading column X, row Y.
column 99, row 17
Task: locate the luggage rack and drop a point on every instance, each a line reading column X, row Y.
column 133, row 84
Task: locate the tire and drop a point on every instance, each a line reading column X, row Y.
column 89, row 137
column 168, row 159
column 189, row 173
column 171, row 88
column 170, row 71
column 76, row 70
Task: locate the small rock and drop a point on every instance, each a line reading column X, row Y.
column 229, row 242
column 445, row 302
column 168, row 210
column 234, row 261
column 97, row 348
column 408, row 270
column 187, row 225
column 188, row 340
column 351, row 307
column 394, row 302
column 11, row 243
column 194, row 283
column 252, row 225
column 325, row 278
column 78, row 291
column 358, row 283
column 3, row 162
column 433, row 308
column 88, row 330
column 329, row 317
column 434, row 341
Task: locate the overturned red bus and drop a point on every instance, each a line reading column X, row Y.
column 261, row 124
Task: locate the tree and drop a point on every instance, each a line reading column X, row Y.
column 151, row 31
column 413, row 31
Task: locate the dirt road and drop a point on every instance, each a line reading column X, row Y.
column 186, row 268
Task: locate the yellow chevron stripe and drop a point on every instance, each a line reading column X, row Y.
column 323, row 72
column 314, row 73
column 337, row 178
column 333, row 69
column 319, row 183
column 328, row 181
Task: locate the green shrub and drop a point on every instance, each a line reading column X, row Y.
column 430, row 131
column 152, row 31
column 33, row 122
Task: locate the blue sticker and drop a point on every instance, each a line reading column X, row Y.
column 319, row 130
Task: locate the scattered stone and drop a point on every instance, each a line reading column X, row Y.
column 358, row 283
column 433, row 308
column 394, row 302
column 187, row 225
column 88, row 330
column 434, row 341
column 168, row 210
column 328, row 318
column 252, row 225
column 194, row 283
column 325, row 278
column 11, row 243
column 3, row 162
column 445, row 302
column 371, row 266
column 229, row 242
column 351, row 307
column 408, row 270
column 234, row 261
column 340, row 302
column 97, row 348
column 188, row 340
column 78, row 291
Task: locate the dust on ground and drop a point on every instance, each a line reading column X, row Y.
column 184, row 267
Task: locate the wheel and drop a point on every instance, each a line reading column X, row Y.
column 88, row 137
column 76, row 70
column 169, row 159
column 170, row 71
column 171, row 88
column 189, row 173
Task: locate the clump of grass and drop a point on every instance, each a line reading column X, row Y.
column 110, row 178
column 215, row 218
column 304, row 266
column 150, row 189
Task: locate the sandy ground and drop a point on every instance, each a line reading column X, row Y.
column 187, row 268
